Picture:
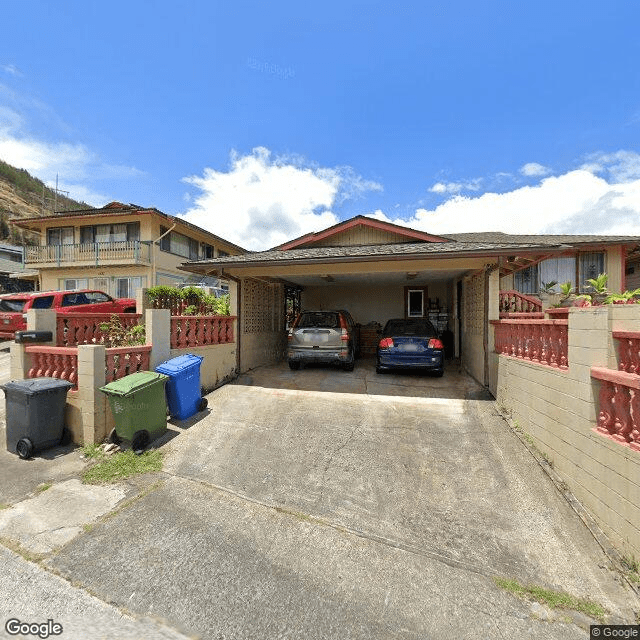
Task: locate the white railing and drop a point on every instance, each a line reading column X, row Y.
column 130, row 251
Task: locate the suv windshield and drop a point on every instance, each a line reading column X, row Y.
column 320, row 319
column 12, row 305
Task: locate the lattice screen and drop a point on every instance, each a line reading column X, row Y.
column 262, row 306
column 473, row 318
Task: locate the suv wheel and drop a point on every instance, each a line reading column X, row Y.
column 348, row 366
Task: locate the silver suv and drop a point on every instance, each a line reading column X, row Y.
column 323, row 336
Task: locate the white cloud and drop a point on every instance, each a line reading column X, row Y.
column 456, row 187
column 74, row 163
column 533, row 169
column 620, row 166
column 577, row 202
column 11, row 69
column 262, row 201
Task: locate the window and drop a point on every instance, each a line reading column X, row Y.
column 179, row 244
column 207, row 251
column 59, row 236
column 415, row 303
column 591, row 265
column 562, row 269
column 526, row 280
column 42, row 302
column 127, row 287
column 222, row 254
column 124, row 232
column 75, row 283
column 559, row 269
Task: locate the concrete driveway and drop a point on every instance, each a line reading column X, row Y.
column 325, row 504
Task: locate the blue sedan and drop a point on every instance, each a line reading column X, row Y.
column 410, row 343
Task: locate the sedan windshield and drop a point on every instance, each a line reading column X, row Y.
column 12, row 305
column 410, row 327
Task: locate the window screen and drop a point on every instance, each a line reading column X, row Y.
column 591, row 265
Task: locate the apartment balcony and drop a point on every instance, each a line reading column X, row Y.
column 94, row 254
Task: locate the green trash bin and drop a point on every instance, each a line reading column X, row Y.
column 139, row 408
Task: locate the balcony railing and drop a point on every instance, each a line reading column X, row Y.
column 93, row 253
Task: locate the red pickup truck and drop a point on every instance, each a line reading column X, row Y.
column 14, row 306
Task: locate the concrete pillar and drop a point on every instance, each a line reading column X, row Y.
column 20, row 361
column 93, row 403
column 233, row 297
column 43, row 320
column 37, row 320
column 158, row 334
column 143, row 302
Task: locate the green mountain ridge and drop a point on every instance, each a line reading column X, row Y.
column 24, row 196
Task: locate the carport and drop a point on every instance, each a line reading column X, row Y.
column 377, row 271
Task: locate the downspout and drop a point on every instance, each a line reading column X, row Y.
column 153, row 254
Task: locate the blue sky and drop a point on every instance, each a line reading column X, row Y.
column 263, row 121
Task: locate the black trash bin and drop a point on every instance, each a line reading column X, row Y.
column 35, row 414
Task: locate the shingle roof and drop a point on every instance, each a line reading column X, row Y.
column 498, row 236
column 373, row 251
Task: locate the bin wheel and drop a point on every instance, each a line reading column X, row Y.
column 66, row 437
column 24, row 448
column 140, row 441
column 204, row 403
column 113, row 437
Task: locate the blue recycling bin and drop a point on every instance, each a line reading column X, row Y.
column 183, row 386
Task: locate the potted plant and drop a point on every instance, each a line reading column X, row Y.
column 600, row 291
column 546, row 290
column 566, row 294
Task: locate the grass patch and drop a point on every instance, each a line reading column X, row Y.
column 632, row 567
column 553, row 599
column 3, row 506
column 43, row 487
column 92, row 451
column 122, row 465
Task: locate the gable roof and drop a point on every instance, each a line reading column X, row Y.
column 411, row 235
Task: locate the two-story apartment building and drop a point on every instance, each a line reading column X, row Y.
column 117, row 249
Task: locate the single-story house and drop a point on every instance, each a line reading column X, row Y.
column 379, row 270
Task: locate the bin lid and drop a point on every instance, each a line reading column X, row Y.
column 179, row 363
column 133, row 382
column 33, row 386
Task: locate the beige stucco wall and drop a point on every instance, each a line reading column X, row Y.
column 51, row 278
column 219, row 363
column 366, row 304
column 559, row 410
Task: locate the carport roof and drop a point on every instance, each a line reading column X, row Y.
column 407, row 250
